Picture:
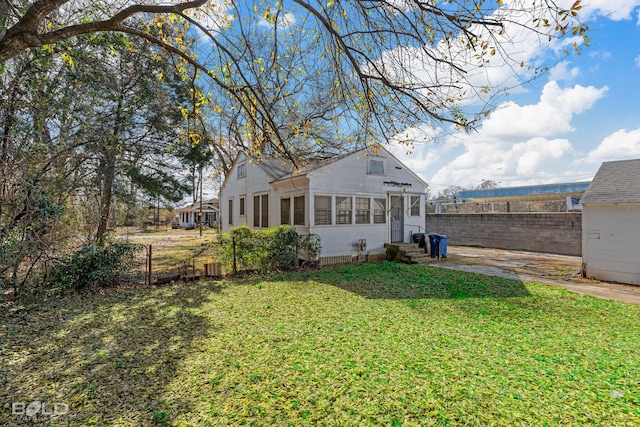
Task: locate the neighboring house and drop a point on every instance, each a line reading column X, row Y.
column 611, row 223
column 189, row 216
column 355, row 203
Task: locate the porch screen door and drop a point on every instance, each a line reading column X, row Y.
column 397, row 218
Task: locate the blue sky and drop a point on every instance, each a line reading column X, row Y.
column 560, row 127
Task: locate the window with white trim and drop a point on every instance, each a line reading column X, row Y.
column 298, row 210
column 242, row 170
column 230, row 211
column 322, row 210
column 261, row 210
column 375, row 167
column 415, row 206
column 344, row 210
column 241, row 205
column 379, row 211
column 285, row 211
column 363, row 210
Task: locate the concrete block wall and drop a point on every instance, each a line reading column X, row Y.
column 556, row 233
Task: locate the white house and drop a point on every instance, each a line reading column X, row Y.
column 189, row 216
column 355, row 203
column 611, row 223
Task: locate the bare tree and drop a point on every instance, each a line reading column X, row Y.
column 306, row 73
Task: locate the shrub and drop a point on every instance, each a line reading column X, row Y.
column 271, row 249
column 246, row 249
column 95, row 267
column 281, row 247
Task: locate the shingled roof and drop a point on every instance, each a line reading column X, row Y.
column 615, row 182
column 279, row 168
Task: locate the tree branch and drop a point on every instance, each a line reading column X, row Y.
column 25, row 33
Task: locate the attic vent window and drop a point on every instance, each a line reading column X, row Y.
column 376, row 167
column 242, row 170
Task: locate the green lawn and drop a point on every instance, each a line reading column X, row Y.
column 370, row 344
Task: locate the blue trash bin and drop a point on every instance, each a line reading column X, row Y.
column 444, row 241
column 434, row 245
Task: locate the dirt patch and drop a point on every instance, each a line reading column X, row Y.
column 547, row 266
column 551, row 269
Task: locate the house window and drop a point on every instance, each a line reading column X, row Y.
column 344, row 208
column 261, row 210
column 363, row 210
column 241, row 205
column 256, row 211
column 265, row 210
column 322, row 211
column 242, row 170
column 285, row 211
column 230, row 211
column 376, row 167
column 298, row 210
column 379, row 211
column 415, row 205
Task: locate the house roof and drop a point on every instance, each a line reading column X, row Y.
column 280, row 169
column 207, row 205
column 276, row 167
column 615, row 182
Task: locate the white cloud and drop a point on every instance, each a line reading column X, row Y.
column 615, row 10
column 527, row 144
column 516, row 145
column 619, row 145
column 552, row 115
column 503, row 59
column 600, row 54
column 518, row 164
column 563, row 71
column 413, row 155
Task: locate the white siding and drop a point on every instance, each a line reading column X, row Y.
column 346, row 177
column 340, row 239
column 611, row 242
column 256, row 181
column 291, row 191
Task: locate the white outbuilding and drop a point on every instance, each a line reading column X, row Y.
column 611, row 223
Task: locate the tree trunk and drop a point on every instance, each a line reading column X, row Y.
column 106, row 197
column 108, row 170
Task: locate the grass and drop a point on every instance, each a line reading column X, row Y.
column 371, row 344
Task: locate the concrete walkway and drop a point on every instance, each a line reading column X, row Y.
column 548, row 269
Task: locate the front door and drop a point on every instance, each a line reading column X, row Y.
column 396, row 211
